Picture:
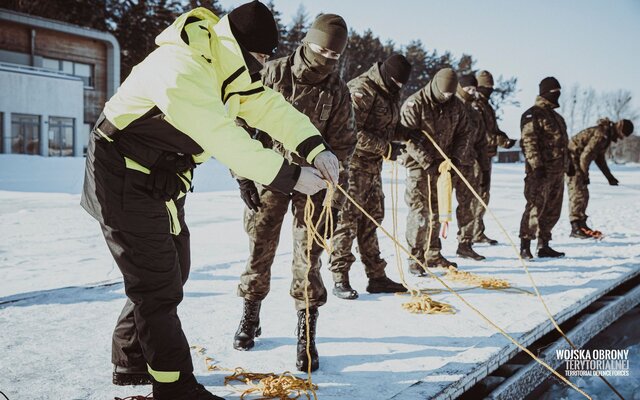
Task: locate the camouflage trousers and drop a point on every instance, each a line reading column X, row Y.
column 465, row 212
column 366, row 189
column 419, row 220
column 478, row 210
column 578, row 196
column 544, row 205
column 263, row 228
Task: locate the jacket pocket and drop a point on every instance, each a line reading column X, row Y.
column 136, row 198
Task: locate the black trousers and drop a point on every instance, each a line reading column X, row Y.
column 155, row 267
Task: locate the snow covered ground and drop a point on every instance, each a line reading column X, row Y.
column 56, row 321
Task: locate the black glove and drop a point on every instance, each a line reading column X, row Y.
column 587, row 181
column 456, row 162
column 613, row 181
column 486, row 179
column 163, row 181
column 540, row 172
column 417, row 137
column 396, row 150
column 512, row 142
column 249, row 194
column 571, row 171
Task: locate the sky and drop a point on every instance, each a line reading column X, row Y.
column 588, row 42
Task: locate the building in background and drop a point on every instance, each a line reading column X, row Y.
column 511, row 155
column 54, row 80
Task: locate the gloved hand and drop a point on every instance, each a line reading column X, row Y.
column 540, row 172
column 310, row 181
column 456, row 161
column 327, row 163
column 613, row 181
column 417, row 137
column 163, row 181
column 249, row 194
column 396, row 150
column 587, row 181
column 512, row 142
column 571, row 171
column 486, row 179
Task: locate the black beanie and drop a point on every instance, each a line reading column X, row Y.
column 627, row 127
column 548, row 84
column 468, row 80
column 397, row 67
column 254, row 28
column 328, row 31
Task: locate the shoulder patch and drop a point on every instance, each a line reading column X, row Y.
column 528, row 115
column 358, row 95
column 411, row 103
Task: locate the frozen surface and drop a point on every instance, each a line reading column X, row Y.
column 56, row 322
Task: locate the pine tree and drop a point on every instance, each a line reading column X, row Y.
column 295, row 34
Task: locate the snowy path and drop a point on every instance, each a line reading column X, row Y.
column 55, row 341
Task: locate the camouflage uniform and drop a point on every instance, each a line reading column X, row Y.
column 377, row 114
column 589, row 145
column 544, row 144
column 447, row 123
column 495, row 137
column 328, row 105
column 472, row 158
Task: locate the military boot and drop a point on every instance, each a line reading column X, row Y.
column 544, row 251
column 302, row 360
column 249, row 327
column 126, row 376
column 440, row 262
column 578, row 231
column 342, row 288
column 185, row 388
column 485, row 239
column 466, row 251
column 416, row 269
column 525, row 249
column 384, row 285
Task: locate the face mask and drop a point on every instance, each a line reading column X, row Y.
column 485, row 91
column 316, row 67
column 391, row 86
column 552, row 97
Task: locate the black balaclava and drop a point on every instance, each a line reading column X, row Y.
column 444, row 80
column 625, row 126
column 255, row 30
column 485, row 83
column 396, row 67
column 328, row 31
column 546, row 86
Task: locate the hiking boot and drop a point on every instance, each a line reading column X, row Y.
column 302, row 361
column 466, row 251
column 577, row 230
column 485, row 239
column 249, row 327
column 416, row 269
column 440, row 262
column 127, row 376
column 384, row 285
column 343, row 290
column 525, row 249
column 185, row 388
column 544, row 251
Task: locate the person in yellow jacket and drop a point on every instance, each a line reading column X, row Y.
column 175, row 110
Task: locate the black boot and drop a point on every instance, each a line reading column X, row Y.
column 466, row 251
column 126, row 376
column 416, row 269
column 577, row 230
column 440, row 262
column 544, row 251
column 249, row 327
column 302, row 361
column 343, row 290
column 525, row 249
column 384, row 285
column 485, row 239
column 185, row 388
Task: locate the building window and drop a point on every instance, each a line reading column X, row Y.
column 1, row 133
column 61, row 136
column 83, row 71
column 25, row 134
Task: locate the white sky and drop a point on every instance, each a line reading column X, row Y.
column 593, row 43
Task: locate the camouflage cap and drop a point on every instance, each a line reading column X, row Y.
column 484, row 78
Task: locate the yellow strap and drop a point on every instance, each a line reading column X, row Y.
column 174, row 227
column 130, row 164
column 164, row 376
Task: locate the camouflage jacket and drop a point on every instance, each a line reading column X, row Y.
column 495, row 137
column 377, row 113
column 447, row 124
column 473, row 146
column 327, row 104
column 544, row 137
column 590, row 145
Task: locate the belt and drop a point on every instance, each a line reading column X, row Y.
column 105, row 128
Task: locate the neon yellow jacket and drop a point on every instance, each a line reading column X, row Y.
column 201, row 87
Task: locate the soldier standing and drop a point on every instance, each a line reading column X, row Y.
column 437, row 111
column 472, row 156
column 544, row 143
column 375, row 96
column 495, row 138
column 591, row 145
column 309, row 80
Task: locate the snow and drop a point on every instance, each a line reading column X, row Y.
column 61, row 292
